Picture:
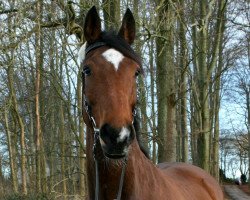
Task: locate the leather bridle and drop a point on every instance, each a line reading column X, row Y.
column 96, row 131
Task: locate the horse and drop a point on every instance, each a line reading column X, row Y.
column 117, row 166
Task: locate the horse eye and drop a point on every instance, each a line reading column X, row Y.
column 87, row 70
column 137, row 73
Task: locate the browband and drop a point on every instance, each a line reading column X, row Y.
column 97, row 44
column 94, row 46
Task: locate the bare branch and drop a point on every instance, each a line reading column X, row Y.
column 8, row 11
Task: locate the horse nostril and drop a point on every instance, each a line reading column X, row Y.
column 108, row 134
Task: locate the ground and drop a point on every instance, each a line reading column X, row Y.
column 245, row 188
column 235, row 192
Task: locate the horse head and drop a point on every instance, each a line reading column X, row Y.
column 110, row 67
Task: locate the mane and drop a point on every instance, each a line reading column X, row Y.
column 113, row 40
column 138, row 136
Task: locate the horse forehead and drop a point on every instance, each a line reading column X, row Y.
column 114, row 57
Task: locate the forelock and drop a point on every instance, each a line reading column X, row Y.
column 115, row 41
column 112, row 40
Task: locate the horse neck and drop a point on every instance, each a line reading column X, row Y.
column 138, row 169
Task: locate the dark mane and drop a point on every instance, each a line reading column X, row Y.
column 138, row 136
column 113, row 40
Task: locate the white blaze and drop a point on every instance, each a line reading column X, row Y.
column 123, row 134
column 113, row 56
column 81, row 53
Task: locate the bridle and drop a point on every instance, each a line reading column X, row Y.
column 96, row 131
column 96, row 139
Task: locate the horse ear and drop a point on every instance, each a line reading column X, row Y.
column 127, row 30
column 92, row 25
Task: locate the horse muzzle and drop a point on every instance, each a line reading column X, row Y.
column 115, row 142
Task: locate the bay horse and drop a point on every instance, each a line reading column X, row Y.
column 117, row 167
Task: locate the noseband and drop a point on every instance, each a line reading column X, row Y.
column 97, row 134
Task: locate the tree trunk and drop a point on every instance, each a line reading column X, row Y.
column 248, row 121
column 152, row 91
column 38, row 41
column 17, row 116
column 62, row 148
column 21, row 126
column 81, row 149
column 15, row 113
column 171, row 90
column 111, row 13
column 1, row 178
column 204, row 70
column 183, row 84
column 194, row 101
column 31, row 157
column 248, row 108
column 142, row 90
column 215, row 153
column 161, row 74
column 203, row 137
column 166, row 85
column 12, row 153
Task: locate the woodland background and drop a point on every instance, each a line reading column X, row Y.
column 194, row 97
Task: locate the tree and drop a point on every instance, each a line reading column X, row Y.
column 183, row 65
column 165, row 84
column 203, row 69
